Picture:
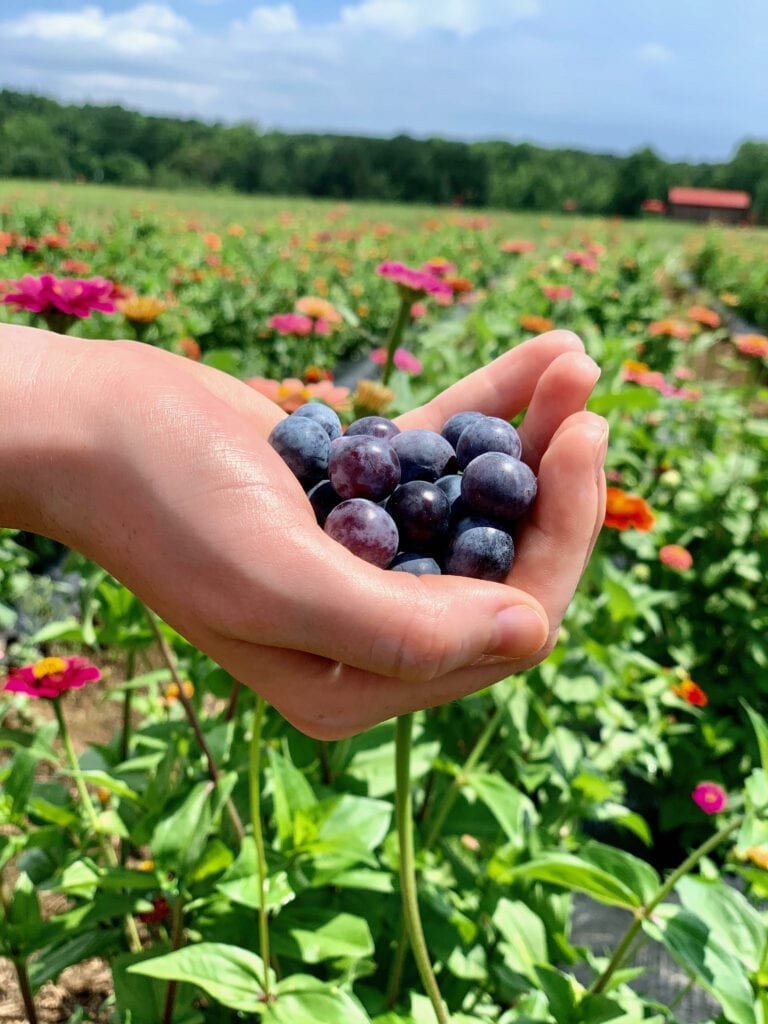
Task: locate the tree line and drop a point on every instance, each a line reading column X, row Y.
column 41, row 138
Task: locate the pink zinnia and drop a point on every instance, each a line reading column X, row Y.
column 403, row 359
column 558, row 292
column 48, row 294
column 710, row 797
column 50, row 677
column 676, row 557
column 413, row 282
column 292, row 323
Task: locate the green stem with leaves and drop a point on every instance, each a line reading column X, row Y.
column 395, row 337
column 254, row 777
column 192, row 718
column 25, row 988
column 177, row 937
column 408, row 891
column 86, row 803
column 644, row 912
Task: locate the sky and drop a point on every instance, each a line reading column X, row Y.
column 687, row 77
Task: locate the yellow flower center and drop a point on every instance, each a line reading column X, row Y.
column 48, row 667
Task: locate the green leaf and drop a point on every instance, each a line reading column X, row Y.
column 313, row 935
column 729, row 916
column 241, row 882
column 230, row 975
column 19, row 781
column 525, row 937
column 305, row 1000
column 291, row 793
column 179, row 838
column 692, row 945
column 141, row 1000
column 512, row 809
column 761, row 732
column 632, row 872
column 570, row 872
column 48, row 965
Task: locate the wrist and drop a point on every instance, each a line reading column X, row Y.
column 51, row 429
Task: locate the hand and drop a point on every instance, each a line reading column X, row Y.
column 171, row 486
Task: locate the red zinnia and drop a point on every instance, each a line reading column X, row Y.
column 691, row 693
column 676, row 557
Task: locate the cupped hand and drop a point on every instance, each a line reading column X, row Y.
column 180, row 496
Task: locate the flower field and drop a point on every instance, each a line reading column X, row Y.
column 228, row 867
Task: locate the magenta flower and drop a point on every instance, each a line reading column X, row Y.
column 70, row 296
column 710, row 797
column 292, row 323
column 411, row 282
column 403, row 359
column 50, row 677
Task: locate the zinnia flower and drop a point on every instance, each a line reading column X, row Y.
column 76, row 297
column 517, row 246
column 669, row 328
column 691, row 693
column 676, row 557
column 627, row 511
column 704, row 315
column 318, row 309
column 413, row 283
column 141, row 309
column 50, row 677
column 710, row 797
column 292, row 323
column 291, row 392
column 371, row 398
column 558, row 292
column 536, row 324
column 403, row 359
column 439, row 266
column 752, row 345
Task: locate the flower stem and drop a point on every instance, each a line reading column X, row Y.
column 177, row 935
column 125, row 735
column 643, row 913
column 86, row 803
column 404, row 820
column 442, row 812
column 254, row 775
column 192, row 718
column 25, row 988
column 395, row 337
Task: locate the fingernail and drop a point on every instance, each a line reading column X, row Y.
column 519, row 631
column 601, row 449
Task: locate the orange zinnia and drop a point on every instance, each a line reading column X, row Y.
column 752, row 345
column 318, row 309
column 627, row 511
column 676, row 557
column 704, row 315
column 537, row 324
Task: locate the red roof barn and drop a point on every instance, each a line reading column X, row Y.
column 703, row 204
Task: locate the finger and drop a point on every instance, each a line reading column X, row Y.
column 502, row 388
column 555, row 541
column 563, row 389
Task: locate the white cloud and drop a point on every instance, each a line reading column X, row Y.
column 270, row 20
column 144, row 29
column 655, row 53
column 412, row 17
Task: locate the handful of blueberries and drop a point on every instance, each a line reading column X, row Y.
column 413, row 500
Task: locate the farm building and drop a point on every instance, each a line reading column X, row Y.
column 725, row 205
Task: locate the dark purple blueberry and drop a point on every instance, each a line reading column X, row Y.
column 499, row 486
column 322, row 414
column 417, row 565
column 480, row 550
column 453, row 427
column 304, row 446
column 451, row 486
column 422, row 513
column 365, row 529
column 424, row 455
column 323, row 499
column 376, row 426
column 490, row 434
column 363, row 467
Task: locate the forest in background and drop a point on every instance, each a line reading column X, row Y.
column 41, row 138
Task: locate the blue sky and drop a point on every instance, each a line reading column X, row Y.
column 689, row 78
